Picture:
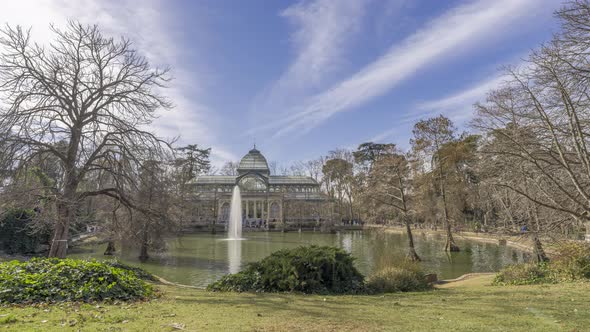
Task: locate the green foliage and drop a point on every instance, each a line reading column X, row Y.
column 249, row 280
column 53, row 280
column 311, row 269
column 139, row 272
column 523, row 274
column 17, row 235
column 405, row 278
column 571, row 262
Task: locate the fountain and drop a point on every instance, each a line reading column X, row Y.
column 235, row 216
column 234, row 256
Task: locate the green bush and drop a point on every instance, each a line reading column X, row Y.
column 407, row 278
column 523, row 274
column 17, row 235
column 139, row 272
column 571, row 262
column 54, row 280
column 310, row 269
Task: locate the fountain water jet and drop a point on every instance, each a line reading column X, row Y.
column 235, row 215
column 234, row 256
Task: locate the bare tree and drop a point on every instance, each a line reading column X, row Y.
column 283, row 170
column 535, row 127
column 155, row 198
column 229, row 168
column 338, row 173
column 429, row 137
column 92, row 94
column 190, row 162
column 298, row 169
column 314, row 168
column 389, row 184
column 537, row 122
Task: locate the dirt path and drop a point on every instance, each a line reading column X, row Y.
column 518, row 242
column 467, row 280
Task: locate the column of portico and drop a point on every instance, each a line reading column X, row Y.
column 267, row 213
column 255, row 209
column 247, row 208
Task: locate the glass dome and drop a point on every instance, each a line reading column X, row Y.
column 253, row 161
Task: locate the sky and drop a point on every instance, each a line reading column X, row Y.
column 301, row 78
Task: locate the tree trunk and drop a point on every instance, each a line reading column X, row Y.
column 540, row 255
column 66, row 204
column 143, row 251
column 59, row 245
column 450, row 245
column 328, row 224
column 412, row 255
column 110, row 248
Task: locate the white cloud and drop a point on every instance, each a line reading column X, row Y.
column 323, row 29
column 459, row 105
column 446, row 36
column 145, row 23
column 323, row 32
column 462, row 98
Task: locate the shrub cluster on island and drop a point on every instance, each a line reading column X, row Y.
column 320, row 270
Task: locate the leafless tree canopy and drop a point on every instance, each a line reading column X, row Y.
column 85, row 99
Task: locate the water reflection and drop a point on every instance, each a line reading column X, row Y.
column 234, row 255
column 347, row 242
column 199, row 259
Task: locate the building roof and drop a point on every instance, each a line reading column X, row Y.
column 253, row 161
column 215, row 179
column 279, row 179
column 272, row 180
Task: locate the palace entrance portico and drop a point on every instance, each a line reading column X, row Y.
column 267, row 200
column 256, row 212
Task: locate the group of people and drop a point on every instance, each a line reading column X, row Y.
column 254, row 223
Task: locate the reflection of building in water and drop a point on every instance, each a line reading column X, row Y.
column 347, row 242
column 267, row 200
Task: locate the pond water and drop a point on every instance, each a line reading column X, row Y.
column 199, row 259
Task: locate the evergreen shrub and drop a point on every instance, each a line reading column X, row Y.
column 306, row 269
column 17, row 234
column 56, row 280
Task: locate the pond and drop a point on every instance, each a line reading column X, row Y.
column 199, row 259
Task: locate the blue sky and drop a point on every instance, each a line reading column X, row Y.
column 301, row 78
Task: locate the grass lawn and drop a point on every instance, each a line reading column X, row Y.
column 468, row 305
